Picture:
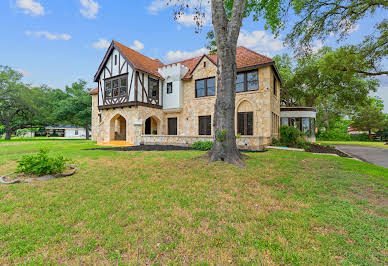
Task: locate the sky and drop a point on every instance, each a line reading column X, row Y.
column 56, row 43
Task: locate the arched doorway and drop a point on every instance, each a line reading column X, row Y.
column 118, row 128
column 151, row 126
column 244, row 118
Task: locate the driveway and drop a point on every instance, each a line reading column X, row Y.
column 367, row 154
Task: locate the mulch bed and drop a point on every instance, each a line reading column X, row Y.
column 155, row 148
column 315, row 148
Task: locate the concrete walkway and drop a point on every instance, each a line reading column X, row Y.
column 367, row 154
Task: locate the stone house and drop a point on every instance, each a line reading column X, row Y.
column 140, row 100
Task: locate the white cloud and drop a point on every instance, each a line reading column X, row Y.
column 30, row 7
column 49, row 36
column 187, row 18
column 353, row 28
column 25, row 73
column 101, row 44
column 89, row 8
column 316, row 46
column 260, row 42
column 174, row 56
column 190, row 20
column 137, row 45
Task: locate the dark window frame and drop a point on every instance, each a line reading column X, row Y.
column 207, row 130
column 245, row 82
column 274, row 85
column 156, row 97
column 169, row 130
column 116, row 60
column 246, row 130
column 169, row 90
column 205, row 87
column 111, row 80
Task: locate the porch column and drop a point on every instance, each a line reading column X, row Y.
column 138, row 130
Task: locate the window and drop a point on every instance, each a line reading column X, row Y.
column 204, row 64
column 205, row 87
column 274, row 86
column 115, row 59
column 116, row 86
column 245, row 123
column 247, row 81
column 123, row 86
column 169, row 87
column 172, row 126
column 153, row 88
column 205, row 125
column 284, row 121
column 76, row 132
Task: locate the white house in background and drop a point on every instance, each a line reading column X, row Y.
column 67, row 131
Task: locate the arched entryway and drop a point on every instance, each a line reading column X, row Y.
column 151, row 126
column 118, row 128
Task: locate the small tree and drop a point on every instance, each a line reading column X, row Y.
column 370, row 117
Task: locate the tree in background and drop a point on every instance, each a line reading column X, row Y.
column 370, row 117
column 16, row 102
column 75, row 107
column 318, row 20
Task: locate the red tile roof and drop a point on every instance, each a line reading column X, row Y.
column 95, row 91
column 140, row 61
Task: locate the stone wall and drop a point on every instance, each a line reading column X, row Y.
column 246, row 142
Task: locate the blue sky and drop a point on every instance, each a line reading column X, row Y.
column 58, row 42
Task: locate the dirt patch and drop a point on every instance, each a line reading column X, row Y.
column 315, row 148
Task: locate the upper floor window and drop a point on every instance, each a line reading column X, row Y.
column 205, row 87
column 169, row 87
column 274, row 86
column 153, row 88
column 115, row 59
column 116, row 87
column 247, row 81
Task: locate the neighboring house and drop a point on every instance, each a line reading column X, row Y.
column 67, row 131
column 141, row 100
column 303, row 118
column 353, row 131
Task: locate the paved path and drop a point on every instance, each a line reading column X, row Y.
column 367, row 154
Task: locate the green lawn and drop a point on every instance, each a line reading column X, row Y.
column 375, row 144
column 172, row 207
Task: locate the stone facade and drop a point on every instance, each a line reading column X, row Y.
column 262, row 102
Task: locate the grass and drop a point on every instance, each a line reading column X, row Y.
column 172, row 207
column 375, row 144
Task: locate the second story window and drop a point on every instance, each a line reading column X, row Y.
column 247, row 81
column 153, row 88
column 116, row 87
column 169, row 87
column 205, row 87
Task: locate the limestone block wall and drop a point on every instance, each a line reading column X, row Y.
column 95, row 120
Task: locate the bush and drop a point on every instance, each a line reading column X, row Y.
column 302, row 143
column 41, row 164
column 334, row 134
column 289, row 135
column 276, row 142
column 202, row 145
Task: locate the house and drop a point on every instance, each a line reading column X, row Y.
column 67, row 131
column 140, row 100
column 303, row 118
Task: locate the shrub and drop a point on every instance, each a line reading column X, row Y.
column 276, row 142
column 289, row 135
column 334, row 134
column 202, row 145
column 302, row 143
column 41, row 164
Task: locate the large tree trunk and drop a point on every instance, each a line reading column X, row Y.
column 87, row 130
column 8, row 134
column 226, row 32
